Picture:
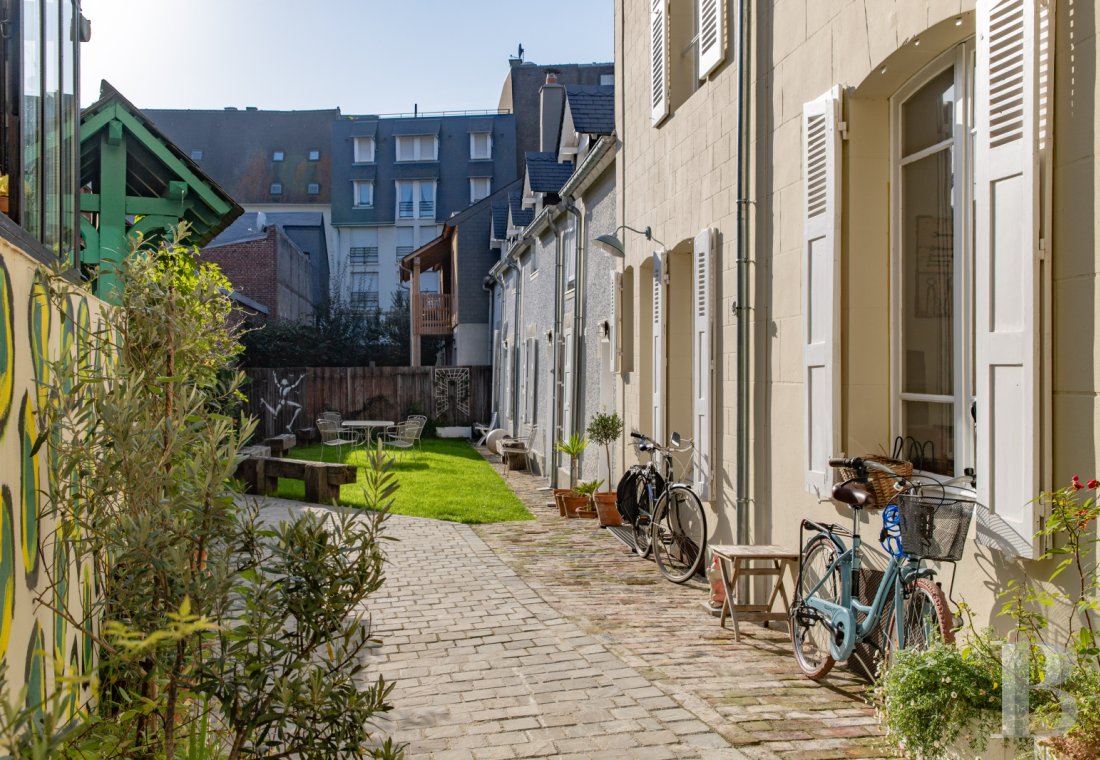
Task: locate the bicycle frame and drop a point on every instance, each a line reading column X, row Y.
column 842, row 618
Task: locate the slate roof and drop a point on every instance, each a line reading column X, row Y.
column 592, row 107
column 521, row 217
column 545, row 174
column 500, row 219
column 247, row 227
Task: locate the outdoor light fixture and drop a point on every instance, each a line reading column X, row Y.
column 549, row 336
column 612, row 245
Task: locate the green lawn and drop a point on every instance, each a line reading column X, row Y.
column 448, row 481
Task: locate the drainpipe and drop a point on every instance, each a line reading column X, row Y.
column 744, row 259
column 489, row 286
column 511, row 263
column 559, row 285
column 580, row 295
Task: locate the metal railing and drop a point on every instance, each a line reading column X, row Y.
column 427, row 209
column 405, row 208
column 364, row 255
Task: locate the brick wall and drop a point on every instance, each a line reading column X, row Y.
column 272, row 270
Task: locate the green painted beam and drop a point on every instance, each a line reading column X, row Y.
column 114, row 246
column 150, row 225
column 137, row 206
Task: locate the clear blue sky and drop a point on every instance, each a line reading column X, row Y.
column 365, row 56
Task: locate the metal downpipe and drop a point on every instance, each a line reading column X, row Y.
column 743, row 272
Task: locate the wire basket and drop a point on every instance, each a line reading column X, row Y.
column 880, row 484
column 933, row 527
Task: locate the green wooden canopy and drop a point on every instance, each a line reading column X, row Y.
column 135, row 181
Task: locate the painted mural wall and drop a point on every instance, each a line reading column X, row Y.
column 44, row 584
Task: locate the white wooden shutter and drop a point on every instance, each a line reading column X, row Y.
column 702, row 359
column 659, row 263
column 613, row 323
column 567, row 390
column 1013, row 78
column 658, row 50
column 820, row 300
column 712, row 34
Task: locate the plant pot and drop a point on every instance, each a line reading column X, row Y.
column 558, row 494
column 573, row 503
column 607, row 508
column 587, row 512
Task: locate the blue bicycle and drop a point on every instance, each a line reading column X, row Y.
column 921, row 522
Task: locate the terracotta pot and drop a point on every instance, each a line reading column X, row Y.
column 573, row 503
column 607, row 507
column 558, row 494
column 587, row 512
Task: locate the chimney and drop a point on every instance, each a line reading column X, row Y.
column 551, row 109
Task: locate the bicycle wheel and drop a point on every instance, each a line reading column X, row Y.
column 810, row 636
column 926, row 616
column 641, row 524
column 679, row 534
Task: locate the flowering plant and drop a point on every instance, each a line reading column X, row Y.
column 928, row 699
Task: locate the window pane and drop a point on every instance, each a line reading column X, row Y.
column 929, row 116
column 51, row 160
column 929, row 429
column 927, row 276
column 70, row 119
column 32, row 124
column 427, row 199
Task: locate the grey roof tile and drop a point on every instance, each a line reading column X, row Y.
column 500, row 218
column 546, row 175
column 521, row 217
column 592, row 107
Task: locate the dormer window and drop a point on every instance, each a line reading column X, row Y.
column 313, row 188
column 278, row 156
column 196, row 154
column 315, row 155
column 417, row 148
column 276, row 188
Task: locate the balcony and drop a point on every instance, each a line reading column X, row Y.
column 435, row 314
column 364, row 255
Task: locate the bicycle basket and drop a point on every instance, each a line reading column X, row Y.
column 932, row 527
column 881, row 485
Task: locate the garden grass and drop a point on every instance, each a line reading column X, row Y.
column 449, row 480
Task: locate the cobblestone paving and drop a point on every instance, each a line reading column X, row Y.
column 550, row 639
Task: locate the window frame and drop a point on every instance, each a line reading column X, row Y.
column 278, row 156
column 313, row 188
column 417, row 156
column 356, row 154
column 356, row 184
column 961, row 58
column 488, row 156
column 196, row 154
column 488, row 188
column 314, row 154
column 276, row 188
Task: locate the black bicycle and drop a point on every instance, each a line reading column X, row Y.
column 670, row 522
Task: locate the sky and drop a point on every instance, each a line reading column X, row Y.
column 363, row 56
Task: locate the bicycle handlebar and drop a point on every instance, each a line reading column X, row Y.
column 645, row 443
column 858, row 463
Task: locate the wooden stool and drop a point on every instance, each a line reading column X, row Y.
column 740, row 558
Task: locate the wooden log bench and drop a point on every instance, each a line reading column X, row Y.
column 281, row 444
column 323, row 479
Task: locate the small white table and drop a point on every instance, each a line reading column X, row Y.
column 367, row 425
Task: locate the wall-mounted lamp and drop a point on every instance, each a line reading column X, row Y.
column 549, row 336
column 611, row 244
column 605, row 329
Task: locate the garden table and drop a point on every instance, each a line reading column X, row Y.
column 367, row 425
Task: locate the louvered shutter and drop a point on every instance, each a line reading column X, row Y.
column 1013, row 80
column 820, row 300
column 659, row 46
column 702, row 361
column 712, row 34
column 613, row 323
column 567, row 389
column 659, row 263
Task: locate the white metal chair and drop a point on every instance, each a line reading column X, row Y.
column 333, row 436
column 405, row 436
column 512, row 450
column 483, row 430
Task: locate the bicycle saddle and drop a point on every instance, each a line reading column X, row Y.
column 857, row 497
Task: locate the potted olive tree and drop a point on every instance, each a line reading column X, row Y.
column 604, row 429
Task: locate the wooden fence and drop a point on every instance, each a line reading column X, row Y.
column 292, row 398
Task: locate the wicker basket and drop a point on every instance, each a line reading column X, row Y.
column 934, row 528
column 881, row 486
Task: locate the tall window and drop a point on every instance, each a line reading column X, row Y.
column 417, row 148
column 934, row 362
column 416, row 199
column 364, row 193
column 364, row 150
column 480, row 187
column 39, row 119
column 481, row 145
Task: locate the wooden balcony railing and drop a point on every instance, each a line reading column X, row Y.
column 435, row 314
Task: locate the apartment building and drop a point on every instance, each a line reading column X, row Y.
column 878, row 231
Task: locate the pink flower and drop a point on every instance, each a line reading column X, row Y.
column 1076, row 483
column 1094, row 484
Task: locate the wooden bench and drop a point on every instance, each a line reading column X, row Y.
column 322, row 479
column 281, row 444
column 739, row 558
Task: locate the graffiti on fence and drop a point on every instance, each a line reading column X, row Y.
column 289, row 397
